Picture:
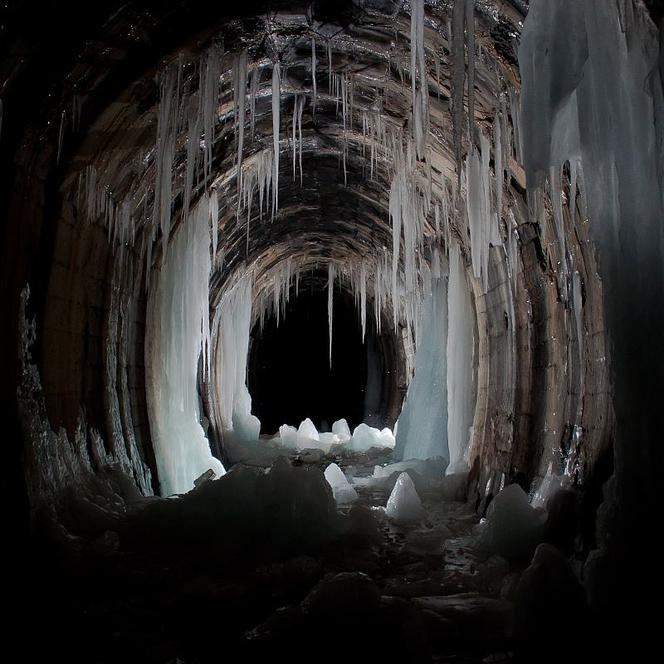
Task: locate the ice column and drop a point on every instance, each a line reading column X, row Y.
column 422, row 430
column 179, row 308
column 234, row 323
column 460, row 404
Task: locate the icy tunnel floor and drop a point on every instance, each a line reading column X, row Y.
column 403, row 593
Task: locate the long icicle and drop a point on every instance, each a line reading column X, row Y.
column 313, row 76
column 276, row 103
column 331, row 271
column 470, row 36
column 458, row 75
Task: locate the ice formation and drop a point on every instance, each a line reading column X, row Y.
column 459, row 362
column 366, row 437
column 341, row 429
column 422, row 431
column 180, row 320
column 341, row 488
column 307, row 435
column 404, row 505
column 232, row 325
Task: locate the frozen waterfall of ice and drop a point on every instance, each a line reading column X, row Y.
column 404, row 505
column 179, row 308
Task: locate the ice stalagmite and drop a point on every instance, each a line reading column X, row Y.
column 404, row 505
column 179, row 314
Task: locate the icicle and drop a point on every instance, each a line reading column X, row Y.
column 276, row 102
column 498, row 163
column 240, row 93
column 164, row 153
column 313, row 76
column 331, row 271
column 470, row 35
column 299, row 142
column 213, row 211
column 419, row 98
column 294, row 127
column 61, row 135
column 329, row 66
column 458, row 76
column 253, row 93
column 209, row 99
column 193, row 147
column 363, row 297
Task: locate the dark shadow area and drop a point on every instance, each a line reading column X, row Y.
column 290, row 377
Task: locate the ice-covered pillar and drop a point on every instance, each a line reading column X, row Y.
column 592, row 89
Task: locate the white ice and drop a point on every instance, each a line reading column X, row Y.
column 404, row 505
column 342, row 490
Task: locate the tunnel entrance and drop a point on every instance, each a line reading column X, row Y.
column 289, row 373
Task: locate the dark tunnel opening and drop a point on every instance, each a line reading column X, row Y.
column 289, row 372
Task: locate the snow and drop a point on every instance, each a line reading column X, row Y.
column 342, row 490
column 404, row 505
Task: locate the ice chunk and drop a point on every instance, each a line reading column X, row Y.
column 342, row 490
column 366, row 437
column 341, row 428
column 307, row 434
column 288, row 436
column 404, row 505
column 433, row 468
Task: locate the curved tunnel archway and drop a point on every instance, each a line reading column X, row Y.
column 360, row 140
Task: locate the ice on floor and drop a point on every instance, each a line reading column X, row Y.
column 366, row 437
column 288, row 436
column 433, row 468
column 342, row 490
column 307, row 434
column 341, row 429
column 404, row 505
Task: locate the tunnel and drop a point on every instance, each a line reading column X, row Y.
column 332, row 319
